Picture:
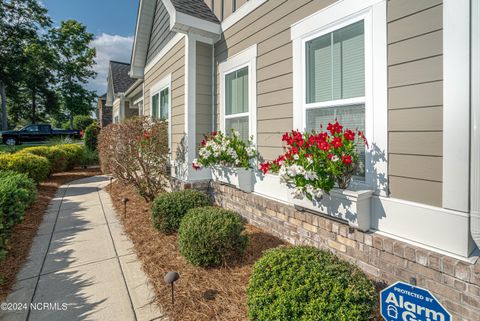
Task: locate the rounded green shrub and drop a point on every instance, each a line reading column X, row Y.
column 35, row 167
column 305, row 283
column 91, row 136
column 168, row 209
column 210, row 236
column 17, row 192
column 56, row 156
column 74, row 154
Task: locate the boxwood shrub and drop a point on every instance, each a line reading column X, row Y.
column 91, row 136
column 56, row 156
column 36, row 167
column 304, row 283
column 17, row 192
column 210, row 236
column 74, row 154
column 168, row 209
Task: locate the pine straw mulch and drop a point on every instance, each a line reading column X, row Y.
column 200, row 294
column 23, row 234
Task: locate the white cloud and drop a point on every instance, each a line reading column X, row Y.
column 109, row 47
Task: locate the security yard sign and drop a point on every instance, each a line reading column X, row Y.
column 404, row 302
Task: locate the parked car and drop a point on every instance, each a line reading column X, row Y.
column 36, row 132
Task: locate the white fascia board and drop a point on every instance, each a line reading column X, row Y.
column 164, row 51
column 241, row 13
column 145, row 17
column 135, row 88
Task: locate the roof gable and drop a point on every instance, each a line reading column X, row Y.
column 119, row 76
column 186, row 16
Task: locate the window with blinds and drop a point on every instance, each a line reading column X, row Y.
column 236, row 102
column 335, row 74
column 336, row 65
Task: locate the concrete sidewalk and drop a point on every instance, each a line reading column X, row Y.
column 81, row 265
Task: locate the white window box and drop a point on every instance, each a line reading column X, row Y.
column 241, row 178
column 351, row 205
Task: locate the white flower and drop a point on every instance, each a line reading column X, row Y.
column 310, row 160
column 236, row 133
column 295, row 170
column 335, row 158
column 318, row 194
column 251, row 151
column 196, row 163
column 310, row 175
column 296, row 157
column 297, row 193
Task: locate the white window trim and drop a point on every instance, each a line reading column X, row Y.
column 332, row 18
column 163, row 84
column 245, row 58
column 241, row 12
column 456, row 105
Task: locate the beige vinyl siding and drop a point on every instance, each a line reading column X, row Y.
column 415, row 100
column 227, row 9
column 173, row 62
column 269, row 27
column 204, row 86
column 161, row 33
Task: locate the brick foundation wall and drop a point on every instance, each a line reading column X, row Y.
column 455, row 283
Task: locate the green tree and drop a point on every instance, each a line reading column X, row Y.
column 20, row 21
column 38, row 76
column 75, row 58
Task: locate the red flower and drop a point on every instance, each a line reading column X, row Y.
column 350, row 135
column 330, row 156
column 324, row 145
column 204, row 142
column 337, row 142
column 347, row 159
column 214, row 134
column 195, row 167
column 146, row 135
column 265, row 167
column 334, row 128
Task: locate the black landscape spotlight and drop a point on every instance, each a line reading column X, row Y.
column 170, row 278
column 125, row 201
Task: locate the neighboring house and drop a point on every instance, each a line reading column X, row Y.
column 104, row 113
column 119, row 91
column 406, row 72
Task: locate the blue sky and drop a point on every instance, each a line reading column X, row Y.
column 111, row 21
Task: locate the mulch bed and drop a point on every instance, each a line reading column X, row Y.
column 200, row 294
column 24, row 233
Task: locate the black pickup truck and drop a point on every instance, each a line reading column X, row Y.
column 36, row 132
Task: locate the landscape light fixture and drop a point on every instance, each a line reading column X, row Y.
column 170, row 278
column 125, row 201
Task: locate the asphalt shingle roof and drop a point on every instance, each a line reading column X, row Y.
column 120, row 78
column 196, row 8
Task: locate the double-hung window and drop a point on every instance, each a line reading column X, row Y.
column 236, row 102
column 340, row 72
column 335, row 80
column 238, row 92
column 161, row 104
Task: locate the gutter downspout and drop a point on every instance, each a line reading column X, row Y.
column 475, row 124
